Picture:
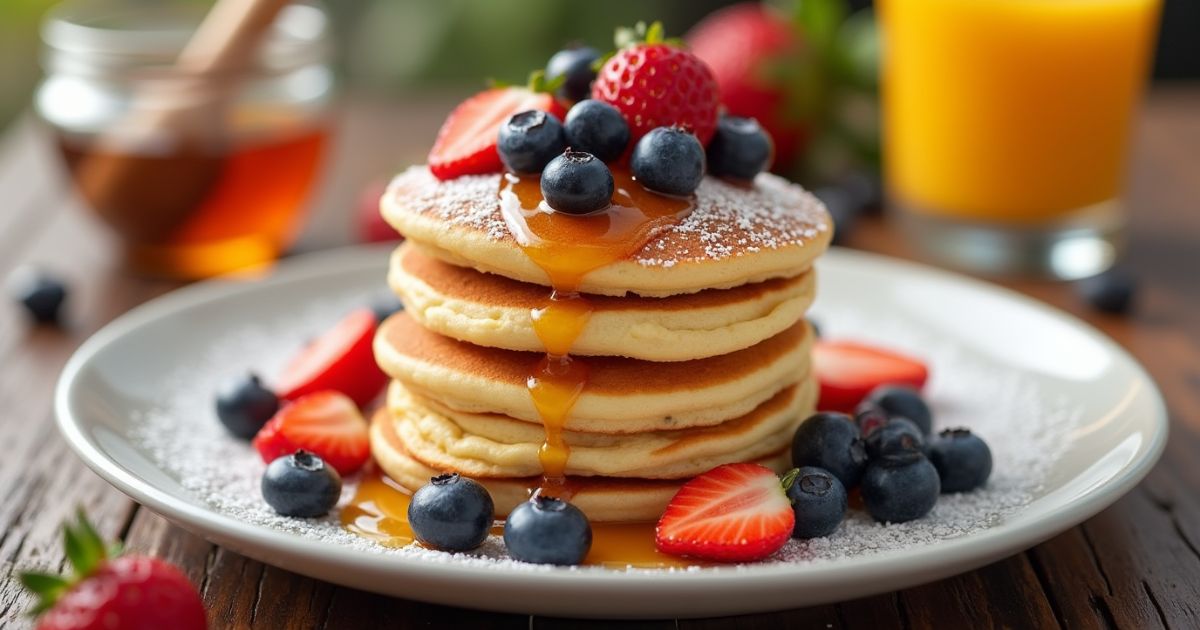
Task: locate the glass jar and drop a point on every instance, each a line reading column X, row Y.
column 200, row 174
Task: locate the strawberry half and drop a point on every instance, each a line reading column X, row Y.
column 466, row 143
column 326, row 423
column 341, row 359
column 732, row 513
column 847, row 371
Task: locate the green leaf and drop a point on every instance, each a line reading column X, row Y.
column 789, row 478
column 654, row 34
column 48, row 588
column 84, row 547
column 538, row 82
column 599, row 63
column 497, row 83
column 819, row 21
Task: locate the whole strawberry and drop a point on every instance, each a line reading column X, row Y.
column 108, row 591
column 656, row 83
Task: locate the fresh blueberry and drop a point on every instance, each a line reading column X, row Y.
column 386, row 305
column 451, row 513
column 818, row 499
column 739, row 148
column 898, row 490
column 244, row 405
column 576, row 65
column 897, row 436
column 962, row 459
column 546, row 530
column 577, row 183
column 830, row 441
column 529, row 140
column 1110, row 292
column 905, row 402
column 301, row 484
column 597, row 128
column 668, row 160
column 869, row 418
column 41, row 293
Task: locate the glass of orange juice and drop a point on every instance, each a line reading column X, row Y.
column 1007, row 124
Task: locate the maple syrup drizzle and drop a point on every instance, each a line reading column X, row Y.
column 568, row 247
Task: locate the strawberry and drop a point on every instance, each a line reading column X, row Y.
column 847, row 371
column 654, row 83
column 127, row 592
column 341, row 359
column 326, row 423
column 732, row 513
column 466, row 143
column 371, row 226
column 744, row 45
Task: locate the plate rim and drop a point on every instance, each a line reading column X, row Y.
column 953, row 555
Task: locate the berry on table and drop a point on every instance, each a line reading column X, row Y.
column 962, row 459
column 547, row 530
column 574, row 65
column 902, row 402
column 325, row 423
column 129, row 591
column 847, row 371
column 900, row 488
column 451, row 513
column 657, row 84
column 830, row 441
column 739, row 149
column 529, row 140
column 1110, row 292
column 897, row 435
column 732, row 513
column 39, row 292
column 597, row 128
column 244, row 405
column 466, row 143
column 577, row 183
column 301, row 484
column 668, row 160
column 818, row 500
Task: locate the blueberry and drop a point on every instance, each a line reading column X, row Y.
column 842, row 209
column 451, row 513
column 898, row 491
column 1110, row 292
column 895, row 438
column 818, row 499
column 529, row 140
column 739, row 148
column 301, row 484
column 869, row 418
column 962, row 459
column 546, row 530
column 244, row 405
column 576, row 65
column 577, row 183
column 668, row 160
column 385, row 306
column 597, row 128
column 830, row 441
column 41, row 293
column 898, row 400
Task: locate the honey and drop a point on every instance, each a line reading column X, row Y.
column 568, row 247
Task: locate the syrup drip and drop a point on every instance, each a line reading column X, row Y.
column 567, row 248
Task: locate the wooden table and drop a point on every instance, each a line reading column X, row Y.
column 1136, row 565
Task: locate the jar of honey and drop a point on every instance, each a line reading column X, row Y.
column 199, row 174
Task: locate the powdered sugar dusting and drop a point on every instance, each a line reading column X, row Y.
column 1025, row 428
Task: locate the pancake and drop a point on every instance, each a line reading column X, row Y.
column 493, row 311
column 495, row 446
column 622, row 395
column 735, row 235
column 602, row 499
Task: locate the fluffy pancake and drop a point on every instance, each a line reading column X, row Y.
column 622, row 395
column 493, row 311
column 602, row 499
column 734, row 235
column 494, row 446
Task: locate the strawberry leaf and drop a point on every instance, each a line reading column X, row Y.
column 84, row 547
column 654, row 34
column 46, row 587
column 789, row 478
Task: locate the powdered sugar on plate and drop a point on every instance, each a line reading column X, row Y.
column 1025, row 429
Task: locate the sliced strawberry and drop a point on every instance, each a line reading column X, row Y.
column 732, row 513
column 847, row 371
column 341, row 359
column 326, row 423
column 466, row 143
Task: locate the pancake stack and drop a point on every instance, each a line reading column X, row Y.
column 687, row 343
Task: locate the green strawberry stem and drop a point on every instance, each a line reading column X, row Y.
column 789, row 478
column 536, row 82
column 86, row 552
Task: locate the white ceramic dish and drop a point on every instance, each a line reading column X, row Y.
column 1118, row 434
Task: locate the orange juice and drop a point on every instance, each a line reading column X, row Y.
column 1012, row 112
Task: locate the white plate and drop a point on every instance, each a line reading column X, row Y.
column 1116, row 435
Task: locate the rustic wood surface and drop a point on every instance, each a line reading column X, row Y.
column 1135, row 565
